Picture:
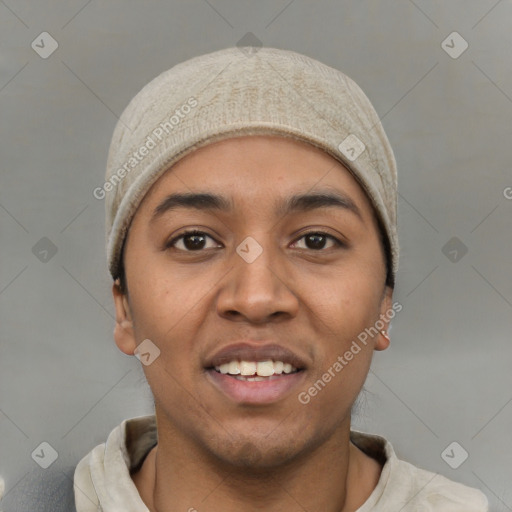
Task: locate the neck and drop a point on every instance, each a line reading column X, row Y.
column 178, row 475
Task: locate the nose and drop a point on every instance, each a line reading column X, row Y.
column 258, row 291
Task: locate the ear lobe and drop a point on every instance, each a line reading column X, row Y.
column 123, row 332
column 383, row 341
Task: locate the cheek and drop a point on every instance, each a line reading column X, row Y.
column 347, row 301
column 168, row 308
column 162, row 295
column 154, row 310
column 345, row 307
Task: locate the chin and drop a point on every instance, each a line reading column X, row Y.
column 259, row 455
column 270, row 448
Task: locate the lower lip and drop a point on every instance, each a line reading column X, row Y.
column 255, row 392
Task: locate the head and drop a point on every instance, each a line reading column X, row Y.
column 290, row 255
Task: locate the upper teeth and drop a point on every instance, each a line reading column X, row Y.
column 261, row 368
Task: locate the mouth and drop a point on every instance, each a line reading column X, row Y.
column 255, row 374
column 255, row 371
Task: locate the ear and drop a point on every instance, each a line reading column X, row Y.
column 123, row 332
column 382, row 341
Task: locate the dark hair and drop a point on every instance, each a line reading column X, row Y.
column 122, row 272
column 384, row 242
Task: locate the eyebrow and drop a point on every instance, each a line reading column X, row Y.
column 295, row 203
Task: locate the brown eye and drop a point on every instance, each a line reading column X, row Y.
column 317, row 240
column 190, row 241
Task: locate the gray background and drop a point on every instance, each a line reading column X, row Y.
column 447, row 374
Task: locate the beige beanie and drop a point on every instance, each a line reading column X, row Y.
column 237, row 92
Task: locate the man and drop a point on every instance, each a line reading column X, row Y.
column 251, row 222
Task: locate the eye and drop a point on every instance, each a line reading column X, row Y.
column 190, row 241
column 195, row 241
column 316, row 240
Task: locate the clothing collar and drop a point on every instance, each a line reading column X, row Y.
column 103, row 480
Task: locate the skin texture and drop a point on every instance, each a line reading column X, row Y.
column 313, row 298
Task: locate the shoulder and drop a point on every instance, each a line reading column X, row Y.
column 405, row 487
column 106, row 470
column 425, row 491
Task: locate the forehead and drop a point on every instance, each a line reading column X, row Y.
column 258, row 170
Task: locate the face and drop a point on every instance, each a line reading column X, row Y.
column 262, row 278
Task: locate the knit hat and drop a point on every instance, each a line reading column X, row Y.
column 237, row 92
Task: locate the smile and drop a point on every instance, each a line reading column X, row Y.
column 255, row 370
column 255, row 383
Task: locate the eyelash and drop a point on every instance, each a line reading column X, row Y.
column 172, row 242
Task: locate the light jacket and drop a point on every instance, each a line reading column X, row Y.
column 103, row 482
